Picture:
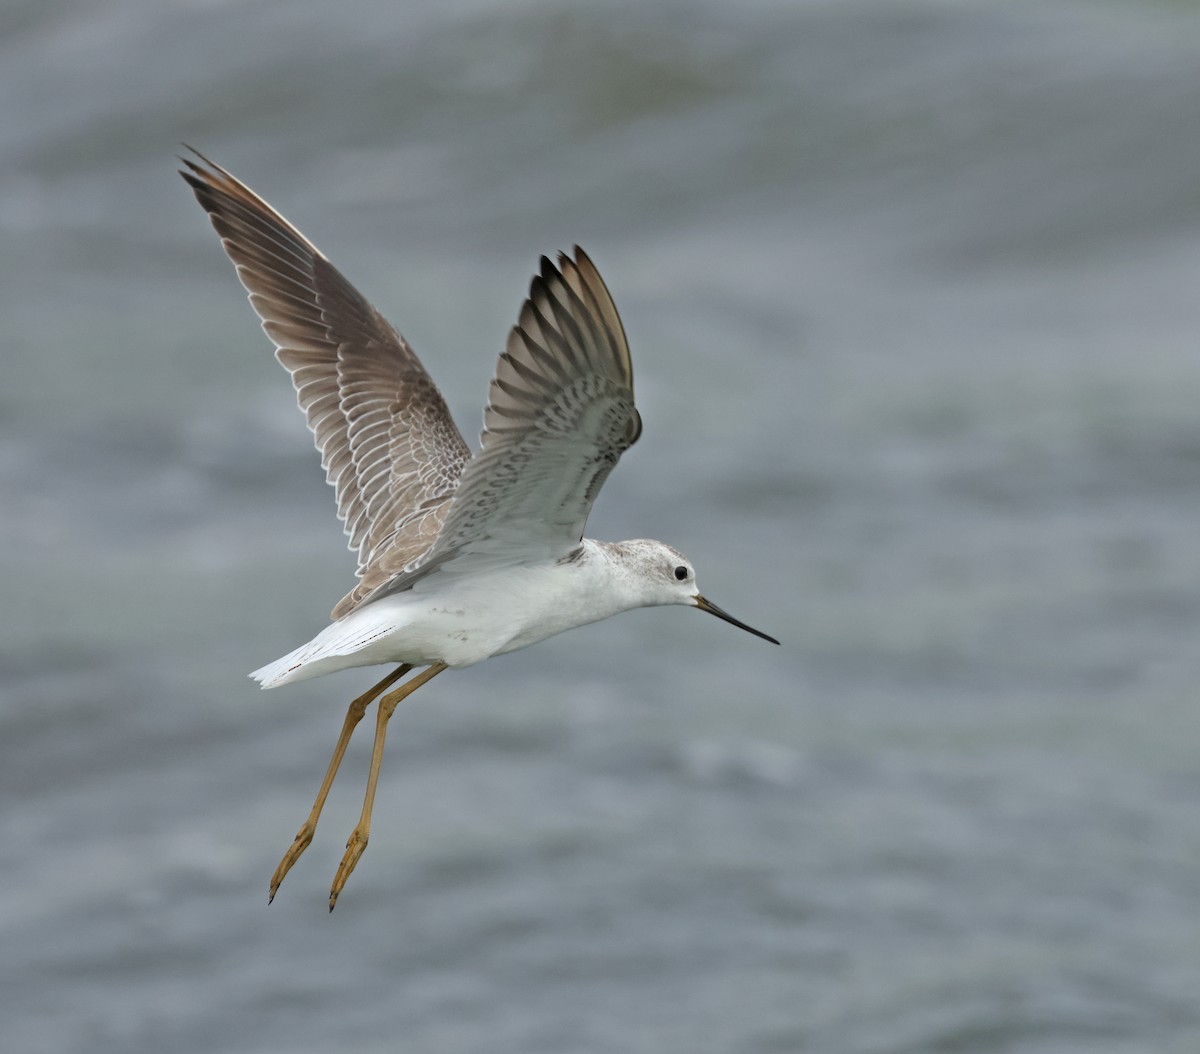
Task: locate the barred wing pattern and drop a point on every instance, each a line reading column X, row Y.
column 388, row 444
column 560, row 413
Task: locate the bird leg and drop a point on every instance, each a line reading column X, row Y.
column 353, row 715
column 358, row 837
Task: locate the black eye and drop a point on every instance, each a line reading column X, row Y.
column 681, row 573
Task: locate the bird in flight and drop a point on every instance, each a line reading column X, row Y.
column 461, row 556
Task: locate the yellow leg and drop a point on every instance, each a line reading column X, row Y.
column 353, row 716
column 358, row 837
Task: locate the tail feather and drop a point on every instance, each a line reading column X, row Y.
column 337, row 647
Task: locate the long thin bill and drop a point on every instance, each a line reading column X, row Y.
column 712, row 609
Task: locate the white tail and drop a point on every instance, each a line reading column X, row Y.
column 336, row 647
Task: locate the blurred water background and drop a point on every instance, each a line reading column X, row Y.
column 911, row 288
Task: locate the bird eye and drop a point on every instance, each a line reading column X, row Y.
column 681, row 573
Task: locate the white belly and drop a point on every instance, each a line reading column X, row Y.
column 455, row 618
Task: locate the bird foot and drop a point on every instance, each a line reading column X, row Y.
column 301, row 842
column 354, row 849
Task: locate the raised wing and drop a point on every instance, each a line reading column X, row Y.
column 560, row 413
column 387, row 442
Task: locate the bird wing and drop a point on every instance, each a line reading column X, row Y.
column 560, row 413
column 388, row 444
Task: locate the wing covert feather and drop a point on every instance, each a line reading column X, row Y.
column 560, row 413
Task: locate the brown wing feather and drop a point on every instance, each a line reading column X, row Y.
column 387, row 442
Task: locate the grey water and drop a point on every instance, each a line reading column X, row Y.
column 911, row 288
